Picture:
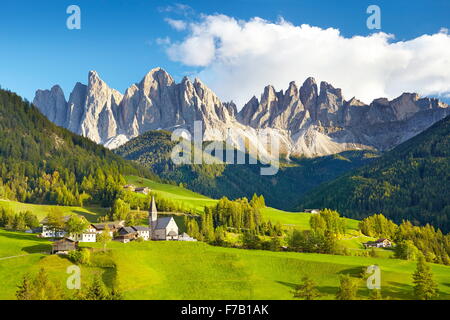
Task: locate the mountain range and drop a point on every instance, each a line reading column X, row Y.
column 309, row 122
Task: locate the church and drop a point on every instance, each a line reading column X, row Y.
column 161, row 228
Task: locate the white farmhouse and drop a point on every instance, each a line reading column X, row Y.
column 48, row 232
column 90, row 235
column 142, row 232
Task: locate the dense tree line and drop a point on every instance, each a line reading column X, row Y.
column 43, row 163
column 326, row 227
column 18, row 221
column 411, row 240
column 238, row 216
column 133, row 208
column 327, row 221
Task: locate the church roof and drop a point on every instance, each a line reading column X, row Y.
column 126, row 230
column 162, row 223
column 140, row 228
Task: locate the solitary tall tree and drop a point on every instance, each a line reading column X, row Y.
column 97, row 290
column 347, row 289
column 76, row 225
column 104, row 237
column 55, row 220
column 425, row 288
column 306, row 290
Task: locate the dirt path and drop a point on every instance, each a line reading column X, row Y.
column 21, row 255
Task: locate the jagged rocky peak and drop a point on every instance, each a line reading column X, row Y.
column 248, row 110
column 76, row 107
column 310, row 121
column 232, row 108
column 309, row 93
column 155, row 78
column 330, row 97
column 292, row 89
column 355, row 102
column 52, row 104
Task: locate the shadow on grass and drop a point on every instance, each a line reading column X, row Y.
column 323, row 290
column 109, row 277
column 91, row 217
column 22, row 236
column 354, row 272
column 397, row 290
column 288, row 284
column 39, row 248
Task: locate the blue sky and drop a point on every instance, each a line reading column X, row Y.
column 118, row 38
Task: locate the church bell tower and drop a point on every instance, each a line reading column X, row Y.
column 152, row 217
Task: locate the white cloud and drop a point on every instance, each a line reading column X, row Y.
column 163, row 41
column 238, row 58
column 177, row 8
column 176, row 24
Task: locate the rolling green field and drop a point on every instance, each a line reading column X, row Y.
column 190, row 270
column 298, row 220
column 194, row 270
column 189, row 198
column 195, row 200
column 42, row 210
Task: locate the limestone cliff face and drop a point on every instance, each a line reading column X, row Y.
column 322, row 122
column 308, row 121
column 100, row 105
column 106, row 116
column 52, row 104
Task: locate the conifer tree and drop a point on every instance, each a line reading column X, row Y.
column 306, row 290
column 347, row 289
column 425, row 288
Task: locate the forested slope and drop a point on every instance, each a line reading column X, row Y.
column 410, row 182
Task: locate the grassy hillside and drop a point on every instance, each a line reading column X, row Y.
column 299, row 220
column 183, row 270
column 153, row 149
column 195, row 200
column 410, row 182
column 42, row 210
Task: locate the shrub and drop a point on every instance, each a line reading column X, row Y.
column 82, row 256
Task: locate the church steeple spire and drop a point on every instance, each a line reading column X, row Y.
column 152, row 215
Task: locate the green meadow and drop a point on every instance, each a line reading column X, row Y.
column 175, row 193
column 42, row 210
column 188, row 198
column 195, row 200
column 195, row 270
column 298, row 220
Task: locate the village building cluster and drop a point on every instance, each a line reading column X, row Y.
column 159, row 228
column 380, row 243
column 142, row 190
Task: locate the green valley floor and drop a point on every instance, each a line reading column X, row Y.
column 190, row 270
column 195, row 270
